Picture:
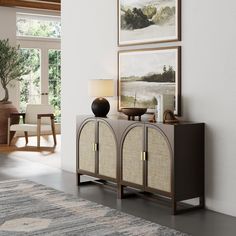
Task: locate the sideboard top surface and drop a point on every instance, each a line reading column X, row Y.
column 144, row 120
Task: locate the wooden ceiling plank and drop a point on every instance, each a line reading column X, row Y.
column 30, row 4
column 48, row 1
column 55, row 1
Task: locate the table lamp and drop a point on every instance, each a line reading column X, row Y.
column 101, row 88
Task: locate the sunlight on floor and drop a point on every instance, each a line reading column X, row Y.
column 46, row 154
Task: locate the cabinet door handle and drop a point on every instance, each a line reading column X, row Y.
column 144, row 156
column 95, row 147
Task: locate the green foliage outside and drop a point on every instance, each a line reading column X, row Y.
column 55, row 82
column 30, row 84
column 38, row 28
column 137, row 18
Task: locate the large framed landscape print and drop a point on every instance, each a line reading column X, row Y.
column 148, row 21
column 146, row 74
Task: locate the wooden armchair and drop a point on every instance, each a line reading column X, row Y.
column 37, row 118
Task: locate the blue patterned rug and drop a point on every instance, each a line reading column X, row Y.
column 27, row 208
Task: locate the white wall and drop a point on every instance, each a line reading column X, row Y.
column 208, row 80
column 88, row 52
column 209, row 92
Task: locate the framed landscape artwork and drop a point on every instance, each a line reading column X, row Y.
column 146, row 74
column 148, row 21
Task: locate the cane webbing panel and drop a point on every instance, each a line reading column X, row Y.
column 159, row 161
column 86, row 152
column 107, row 151
column 132, row 148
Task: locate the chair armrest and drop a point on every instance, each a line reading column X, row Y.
column 17, row 114
column 46, row 115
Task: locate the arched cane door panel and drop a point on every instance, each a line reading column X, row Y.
column 132, row 165
column 107, row 151
column 86, row 144
column 159, row 161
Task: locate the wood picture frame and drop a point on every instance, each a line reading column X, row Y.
column 147, row 27
column 145, row 73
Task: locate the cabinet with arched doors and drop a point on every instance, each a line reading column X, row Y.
column 155, row 158
column 146, row 157
column 97, row 149
column 164, row 159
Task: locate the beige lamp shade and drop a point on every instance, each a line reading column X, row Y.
column 101, row 88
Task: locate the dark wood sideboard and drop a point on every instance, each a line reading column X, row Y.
column 162, row 159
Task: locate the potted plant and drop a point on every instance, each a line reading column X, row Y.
column 13, row 65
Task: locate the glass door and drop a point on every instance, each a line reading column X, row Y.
column 43, row 84
column 54, row 82
column 30, row 85
column 39, row 37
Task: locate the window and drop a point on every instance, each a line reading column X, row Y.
column 39, row 39
column 55, row 82
column 38, row 26
column 30, row 84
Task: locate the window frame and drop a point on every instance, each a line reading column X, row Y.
column 37, row 17
column 44, row 44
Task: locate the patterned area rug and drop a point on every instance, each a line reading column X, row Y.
column 27, row 208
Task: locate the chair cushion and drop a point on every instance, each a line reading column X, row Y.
column 29, row 127
column 32, row 111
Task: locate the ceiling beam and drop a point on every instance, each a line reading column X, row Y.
column 49, row 1
column 52, row 5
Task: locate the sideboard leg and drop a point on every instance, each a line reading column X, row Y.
column 78, row 179
column 202, row 202
column 120, row 191
column 174, row 207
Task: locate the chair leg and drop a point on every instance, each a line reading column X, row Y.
column 9, row 138
column 38, row 132
column 38, row 140
column 26, row 137
column 9, row 133
column 53, row 132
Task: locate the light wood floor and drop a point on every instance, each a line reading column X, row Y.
column 47, row 154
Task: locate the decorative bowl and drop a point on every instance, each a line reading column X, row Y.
column 131, row 112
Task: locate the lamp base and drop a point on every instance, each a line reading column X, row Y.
column 100, row 107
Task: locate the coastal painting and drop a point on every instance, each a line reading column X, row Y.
column 146, row 74
column 148, row 21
